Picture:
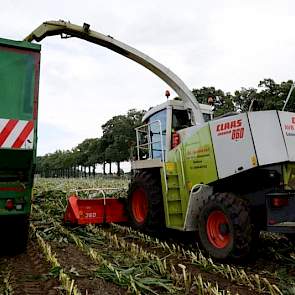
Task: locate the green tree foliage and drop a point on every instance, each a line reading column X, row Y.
column 242, row 98
column 59, row 163
column 113, row 146
column 272, row 95
column 223, row 102
column 119, row 134
column 269, row 96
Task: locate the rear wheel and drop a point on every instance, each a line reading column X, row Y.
column 145, row 201
column 224, row 226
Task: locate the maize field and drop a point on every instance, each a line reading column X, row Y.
column 116, row 259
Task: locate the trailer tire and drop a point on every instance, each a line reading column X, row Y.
column 15, row 232
column 224, row 226
column 145, row 202
column 291, row 238
column 22, row 238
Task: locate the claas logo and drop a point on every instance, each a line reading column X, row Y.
column 229, row 125
column 234, row 128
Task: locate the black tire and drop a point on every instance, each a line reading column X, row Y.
column 15, row 232
column 148, row 186
column 291, row 238
column 224, row 226
column 22, row 228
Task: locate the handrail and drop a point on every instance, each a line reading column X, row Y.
column 98, row 190
column 182, row 167
column 150, row 142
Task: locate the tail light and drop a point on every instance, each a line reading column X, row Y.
column 175, row 139
column 9, row 204
column 279, row 202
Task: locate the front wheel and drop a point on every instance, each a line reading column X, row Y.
column 145, row 201
column 224, row 226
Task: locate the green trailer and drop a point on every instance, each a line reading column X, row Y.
column 19, row 84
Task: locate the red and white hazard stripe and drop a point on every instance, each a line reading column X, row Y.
column 16, row 134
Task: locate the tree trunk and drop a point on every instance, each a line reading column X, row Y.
column 118, row 169
column 104, row 168
column 93, row 170
column 110, row 171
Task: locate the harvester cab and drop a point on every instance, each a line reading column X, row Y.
column 225, row 179
column 165, row 126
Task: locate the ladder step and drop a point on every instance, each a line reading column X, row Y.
column 173, row 199
column 171, row 173
column 174, row 207
column 173, row 186
column 175, row 212
column 173, row 195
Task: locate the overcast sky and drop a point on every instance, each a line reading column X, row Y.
column 226, row 44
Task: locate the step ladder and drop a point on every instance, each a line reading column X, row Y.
column 175, row 195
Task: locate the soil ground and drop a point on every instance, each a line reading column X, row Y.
column 30, row 274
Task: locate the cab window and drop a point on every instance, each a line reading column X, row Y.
column 180, row 120
column 155, row 134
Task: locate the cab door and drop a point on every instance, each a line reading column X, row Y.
column 158, row 132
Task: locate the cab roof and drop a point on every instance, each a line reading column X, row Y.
column 176, row 104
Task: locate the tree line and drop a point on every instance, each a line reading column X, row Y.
column 113, row 147
column 119, row 135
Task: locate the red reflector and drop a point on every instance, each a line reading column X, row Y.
column 175, row 139
column 279, row 202
column 272, row 221
column 9, row 204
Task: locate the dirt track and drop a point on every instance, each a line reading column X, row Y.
column 28, row 274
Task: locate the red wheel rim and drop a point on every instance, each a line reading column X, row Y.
column 218, row 229
column 139, row 205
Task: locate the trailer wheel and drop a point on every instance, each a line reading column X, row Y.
column 145, row 202
column 22, row 228
column 15, row 232
column 291, row 238
column 224, row 226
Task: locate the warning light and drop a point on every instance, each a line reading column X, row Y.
column 210, row 100
column 167, row 93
